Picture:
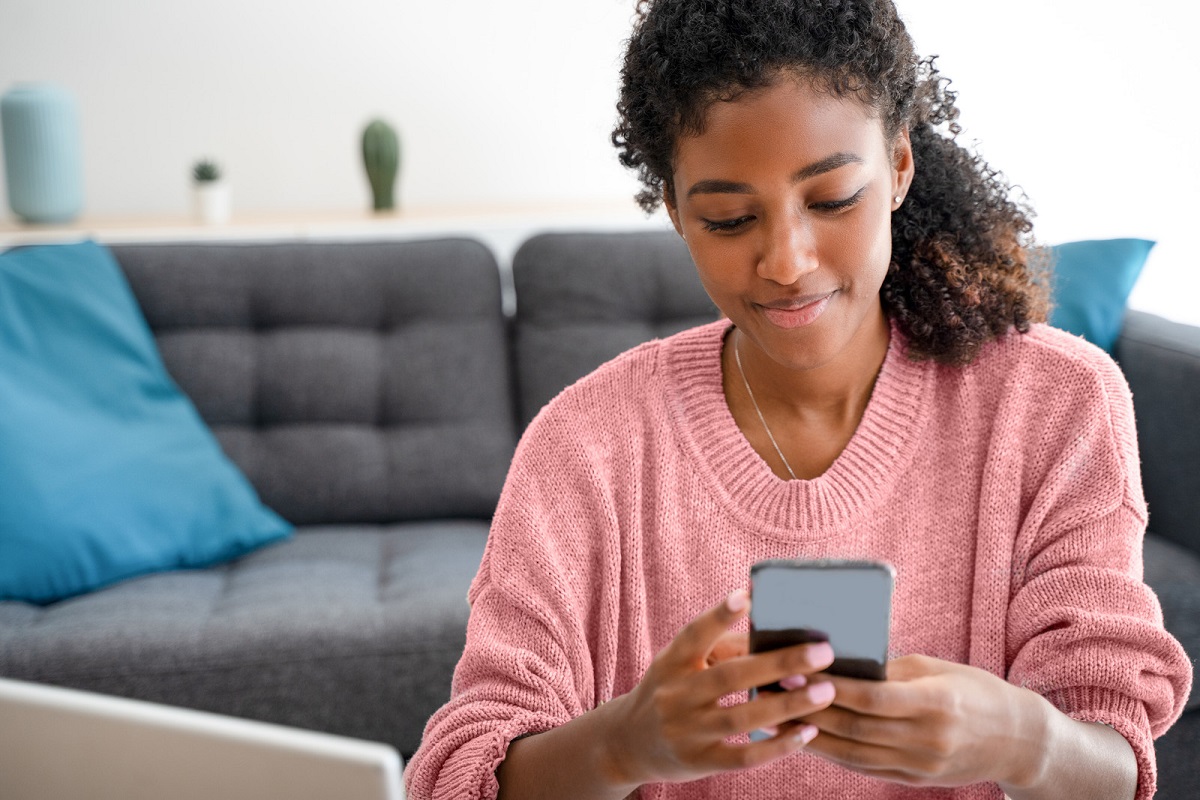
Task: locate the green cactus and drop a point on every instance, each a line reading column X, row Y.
column 206, row 171
column 381, row 156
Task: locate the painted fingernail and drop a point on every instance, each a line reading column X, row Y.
column 820, row 693
column 794, row 682
column 820, row 655
column 806, row 734
column 738, row 600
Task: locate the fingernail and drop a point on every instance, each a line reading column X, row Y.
column 794, row 681
column 820, row 655
column 770, row 730
column 738, row 600
column 820, row 693
column 806, row 734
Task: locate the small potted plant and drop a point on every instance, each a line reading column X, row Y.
column 211, row 193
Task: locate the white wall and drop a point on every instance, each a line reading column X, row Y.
column 1089, row 105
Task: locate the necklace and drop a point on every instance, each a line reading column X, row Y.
column 737, row 357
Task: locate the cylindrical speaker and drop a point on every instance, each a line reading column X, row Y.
column 43, row 162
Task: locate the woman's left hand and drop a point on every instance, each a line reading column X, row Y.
column 931, row 723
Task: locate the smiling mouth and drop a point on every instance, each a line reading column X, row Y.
column 796, row 313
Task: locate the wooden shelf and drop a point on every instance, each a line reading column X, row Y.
column 337, row 224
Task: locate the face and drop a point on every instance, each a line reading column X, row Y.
column 785, row 202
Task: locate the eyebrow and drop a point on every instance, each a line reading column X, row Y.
column 827, row 164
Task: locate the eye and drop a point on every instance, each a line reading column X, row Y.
column 725, row 225
column 841, row 205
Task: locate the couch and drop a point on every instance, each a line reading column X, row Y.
column 373, row 393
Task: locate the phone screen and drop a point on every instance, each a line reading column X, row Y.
column 847, row 603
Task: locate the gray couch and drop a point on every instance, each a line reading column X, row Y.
column 373, row 394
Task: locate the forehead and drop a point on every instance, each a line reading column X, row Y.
column 788, row 123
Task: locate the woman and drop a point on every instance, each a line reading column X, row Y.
column 882, row 387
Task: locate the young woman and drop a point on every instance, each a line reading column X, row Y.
column 881, row 387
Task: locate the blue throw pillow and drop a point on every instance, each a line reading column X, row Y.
column 1092, row 282
column 106, row 469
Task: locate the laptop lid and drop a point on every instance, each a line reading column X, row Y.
column 62, row 743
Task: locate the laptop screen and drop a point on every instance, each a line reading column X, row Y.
column 62, row 743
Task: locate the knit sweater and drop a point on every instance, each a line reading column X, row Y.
column 1006, row 494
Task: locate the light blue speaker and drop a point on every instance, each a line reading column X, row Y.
column 43, row 162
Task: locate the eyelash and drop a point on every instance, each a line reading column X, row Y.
column 724, row 224
column 727, row 225
column 838, row 205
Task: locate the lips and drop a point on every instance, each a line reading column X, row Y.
column 796, row 313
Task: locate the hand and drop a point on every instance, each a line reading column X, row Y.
column 931, row 723
column 672, row 726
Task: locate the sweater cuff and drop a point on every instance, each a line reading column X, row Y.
column 470, row 772
column 1122, row 713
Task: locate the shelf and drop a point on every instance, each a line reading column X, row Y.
column 402, row 224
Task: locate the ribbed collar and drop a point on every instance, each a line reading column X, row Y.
column 862, row 475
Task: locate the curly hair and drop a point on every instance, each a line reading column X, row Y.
column 963, row 267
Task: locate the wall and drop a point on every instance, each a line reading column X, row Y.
column 1087, row 104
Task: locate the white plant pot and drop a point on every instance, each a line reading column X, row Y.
column 212, row 202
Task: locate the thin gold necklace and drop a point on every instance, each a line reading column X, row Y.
column 737, row 357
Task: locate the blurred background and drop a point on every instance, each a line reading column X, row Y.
column 1088, row 105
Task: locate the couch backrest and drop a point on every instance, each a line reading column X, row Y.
column 351, row 382
column 1161, row 361
column 584, row 298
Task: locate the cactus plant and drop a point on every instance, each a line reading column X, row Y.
column 206, row 171
column 381, row 157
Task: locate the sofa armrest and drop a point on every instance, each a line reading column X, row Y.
column 1161, row 361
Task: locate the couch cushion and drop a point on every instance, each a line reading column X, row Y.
column 1161, row 361
column 584, row 298
column 326, row 631
column 1173, row 572
column 106, row 471
column 361, row 382
column 1092, row 282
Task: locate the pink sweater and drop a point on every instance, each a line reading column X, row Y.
column 1007, row 495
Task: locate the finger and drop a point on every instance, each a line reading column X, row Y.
column 732, row 644
column 691, row 646
column 768, row 710
column 755, row 754
column 760, row 669
column 869, row 758
column 864, row 728
column 893, row 699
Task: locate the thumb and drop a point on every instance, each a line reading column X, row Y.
column 911, row 667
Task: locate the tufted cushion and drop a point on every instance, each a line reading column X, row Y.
column 1161, row 361
column 1173, row 572
column 351, row 382
column 583, row 298
column 321, row 632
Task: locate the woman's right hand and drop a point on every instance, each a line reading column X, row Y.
column 672, row 726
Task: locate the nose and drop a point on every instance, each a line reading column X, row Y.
column 788, row 252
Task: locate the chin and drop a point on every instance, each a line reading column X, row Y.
column 805, row 349
column 815, row 345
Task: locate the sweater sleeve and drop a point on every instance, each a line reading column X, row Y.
column 527, row 665
column 1084, row 630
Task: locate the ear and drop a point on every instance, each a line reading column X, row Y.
column 902, row 165
column 672, row 211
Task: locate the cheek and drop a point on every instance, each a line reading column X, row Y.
column 866, row 247
column 720, row 266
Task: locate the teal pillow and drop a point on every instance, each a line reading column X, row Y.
column 1092, row 282
column 106, row 469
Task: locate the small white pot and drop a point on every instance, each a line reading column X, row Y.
column 212, row 202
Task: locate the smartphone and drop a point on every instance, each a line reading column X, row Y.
column 845, row 603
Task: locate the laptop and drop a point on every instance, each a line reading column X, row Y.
column 61, row 744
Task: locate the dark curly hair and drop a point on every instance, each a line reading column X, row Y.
column 963, row 268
